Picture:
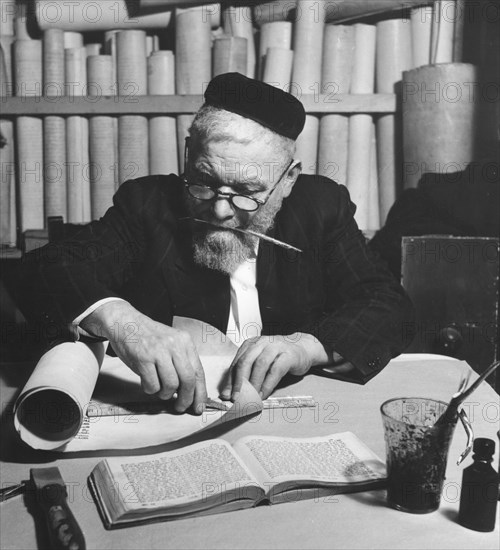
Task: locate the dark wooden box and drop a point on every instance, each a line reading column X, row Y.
column 454, row 284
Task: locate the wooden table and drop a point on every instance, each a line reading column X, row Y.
column 345, row 521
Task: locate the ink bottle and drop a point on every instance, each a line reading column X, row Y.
column 479, row 493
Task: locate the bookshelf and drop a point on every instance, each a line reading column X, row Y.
column 261, row 23
column 12, row 107
column 180, row 104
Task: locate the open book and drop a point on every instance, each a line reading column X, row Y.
column 213, row 476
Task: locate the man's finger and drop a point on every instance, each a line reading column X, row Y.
column 262, row 365
column 149, row 377
column 200, row 388
column 242, row 369
column 227, row 389
column 278, row 369
column 186, row 373
column 168, row 379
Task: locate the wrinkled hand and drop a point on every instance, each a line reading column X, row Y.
column 264, row 361
column 165, row 358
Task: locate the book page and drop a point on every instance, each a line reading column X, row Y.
column 198, row 473
column 338, row 459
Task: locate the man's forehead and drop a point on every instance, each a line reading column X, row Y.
column 238, row 162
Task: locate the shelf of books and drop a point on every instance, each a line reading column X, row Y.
column 93, row 95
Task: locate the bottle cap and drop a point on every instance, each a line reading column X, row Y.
column 484, row 447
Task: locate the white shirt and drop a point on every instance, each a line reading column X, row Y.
column 244, row 314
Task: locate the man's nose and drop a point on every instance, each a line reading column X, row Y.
column 222, row 208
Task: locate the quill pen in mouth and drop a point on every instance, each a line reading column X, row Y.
column 248, row 232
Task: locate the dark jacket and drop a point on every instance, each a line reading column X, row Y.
column 336, row 289
column 465, row 203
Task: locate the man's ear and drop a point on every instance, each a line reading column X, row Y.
column 291, row 177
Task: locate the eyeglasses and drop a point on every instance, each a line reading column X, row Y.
column 241, row 202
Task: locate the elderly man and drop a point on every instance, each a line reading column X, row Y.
column 241, row 241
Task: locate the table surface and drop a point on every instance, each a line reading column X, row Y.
column 360, row 520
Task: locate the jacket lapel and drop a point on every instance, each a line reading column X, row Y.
column 196, row 292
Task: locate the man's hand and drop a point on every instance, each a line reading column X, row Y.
column 264, row 360
column 165, row 358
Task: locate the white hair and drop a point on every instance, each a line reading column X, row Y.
column 215, row 124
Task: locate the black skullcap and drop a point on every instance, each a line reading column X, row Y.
column 261, row 102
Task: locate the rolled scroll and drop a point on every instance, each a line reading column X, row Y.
column 162, row 129
column 338, row 59
column 7, row 160
column 333, row 143
column 306, row 76
column 439, row 119
column 29, row 135
column 393, row 56
column 331, row 11
column 229, row 55
column 93, row 49
column 237, row 21
column 336, row 72
column 54, row 127
column 443, row 31
column 94, row 16
column 8, row 10
column 273, row 35
column 132, row 81
column 421, row 26
column 360, row 125
column 192, row 64
column 73, row 40
column 77, row 146
column 50, row 409
column 102, row 137
column 278, row 67
column 374, row 186
column 193, row 57
column 308, row 48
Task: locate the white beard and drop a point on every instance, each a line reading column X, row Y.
column 224, row 250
